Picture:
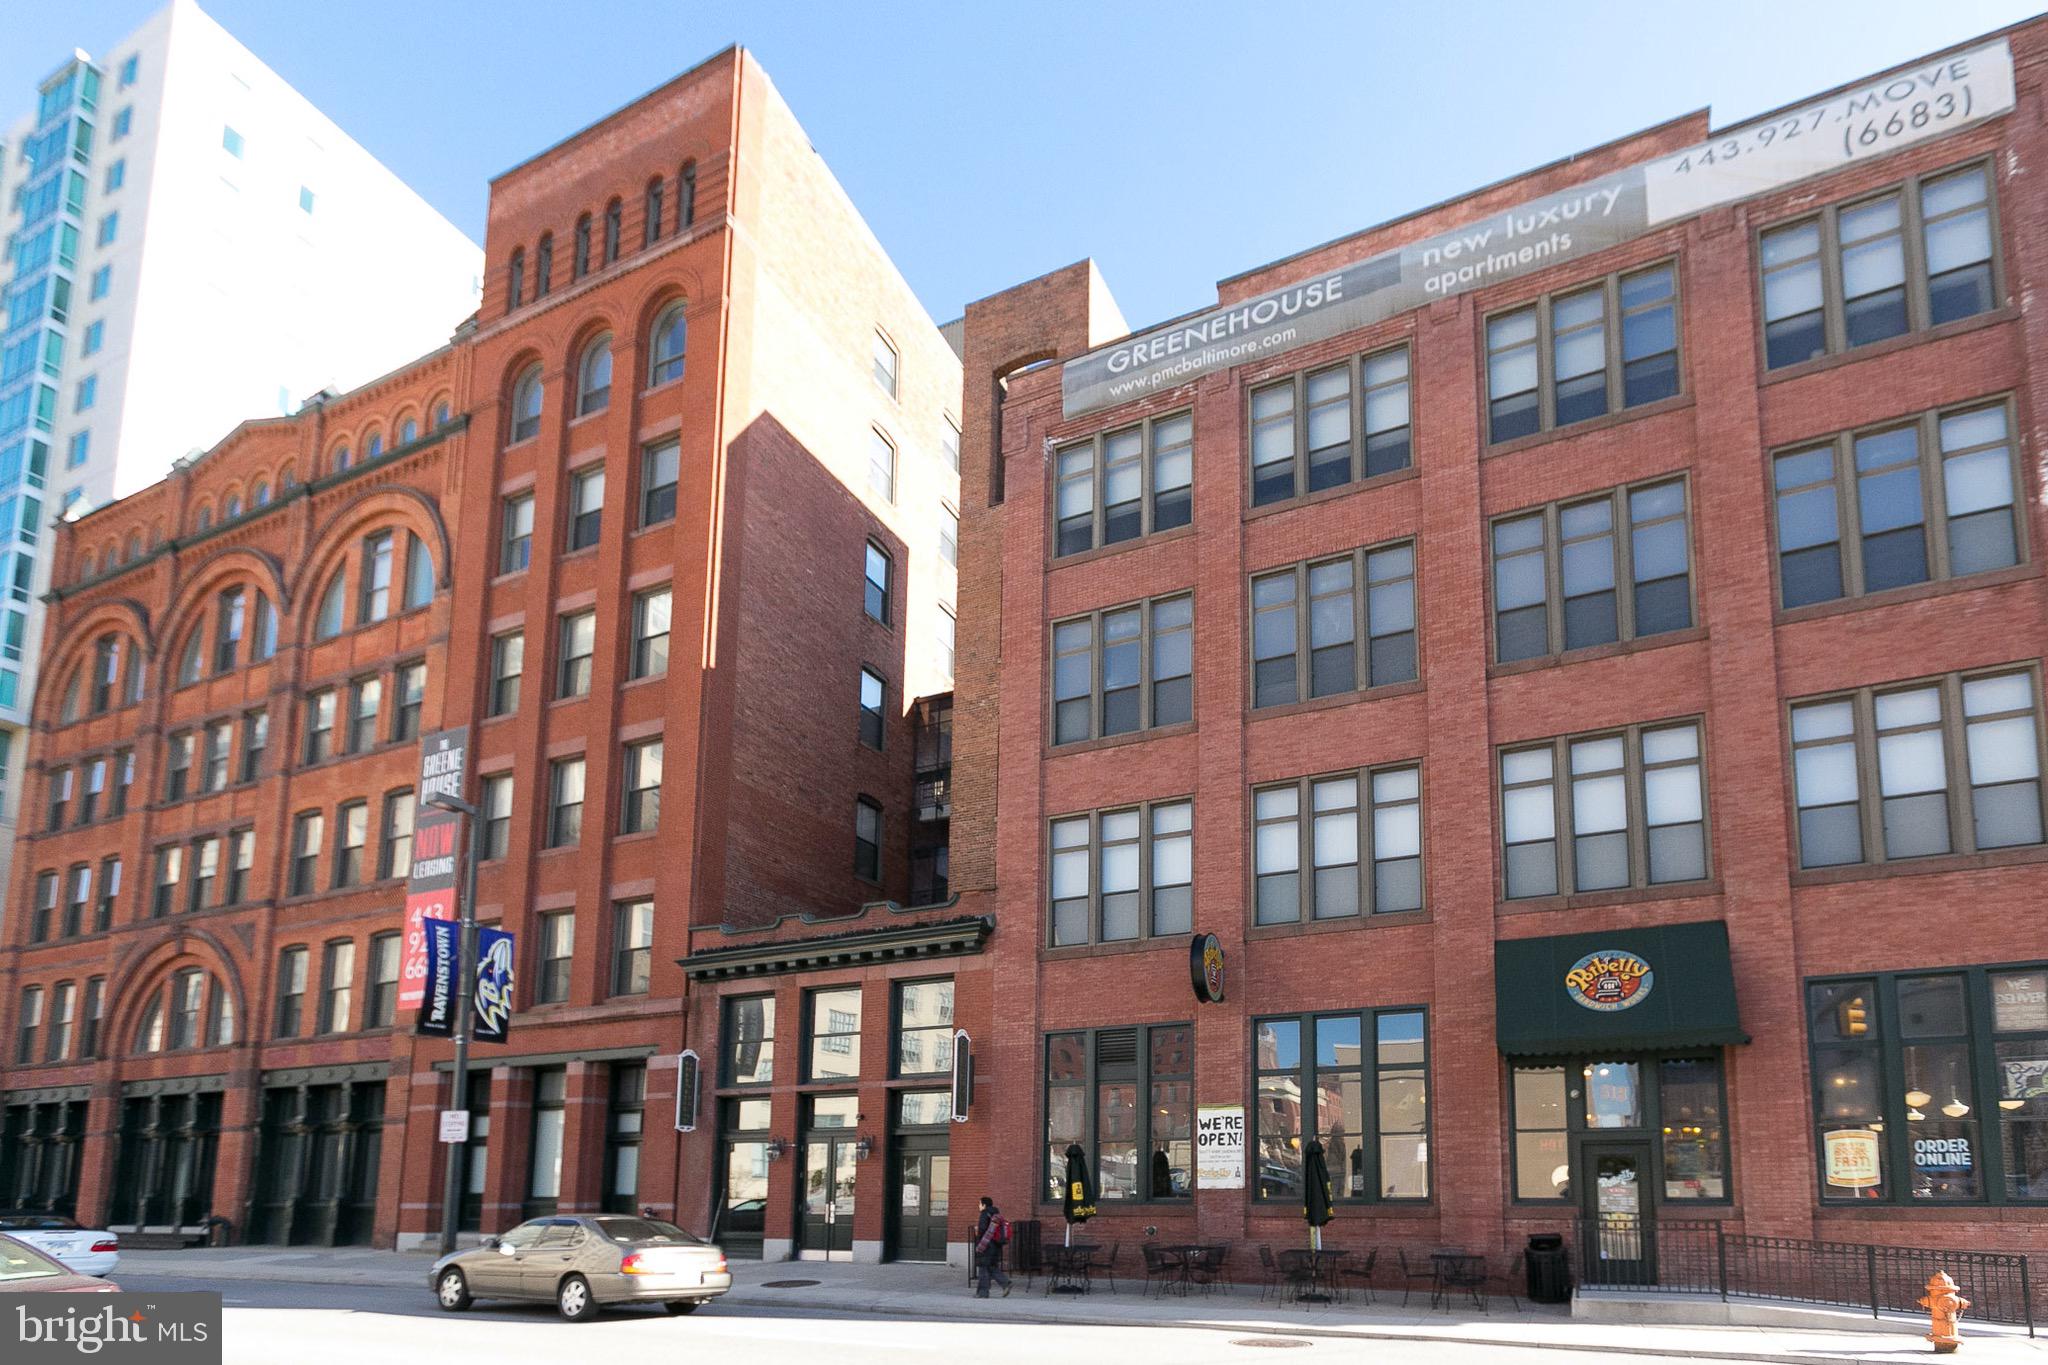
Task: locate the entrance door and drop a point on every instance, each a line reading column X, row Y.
column 922, row 1201
column 1619, row 1245
column 827, row 1214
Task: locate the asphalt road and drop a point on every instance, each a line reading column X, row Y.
column 307, row 1324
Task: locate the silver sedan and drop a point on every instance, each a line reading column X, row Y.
column 584, row 1262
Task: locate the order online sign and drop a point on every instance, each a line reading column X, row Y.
column 117, row 1329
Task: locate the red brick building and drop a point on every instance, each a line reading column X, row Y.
column 1578, row 649
column 668, row 527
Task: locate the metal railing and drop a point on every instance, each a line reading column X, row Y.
column 1660, row 1256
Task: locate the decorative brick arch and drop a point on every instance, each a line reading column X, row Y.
column 389, row 505
column 142, row 971
column 257, row 568
column 123, row 616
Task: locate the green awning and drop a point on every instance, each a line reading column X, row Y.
column 1634, row 990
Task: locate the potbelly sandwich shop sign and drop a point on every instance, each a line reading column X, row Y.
column 1899, row 110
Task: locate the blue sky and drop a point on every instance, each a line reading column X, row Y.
column 1176, row 143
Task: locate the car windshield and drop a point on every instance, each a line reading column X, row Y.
column 36, row 1222
column 627, row 1230
column 19, row 1262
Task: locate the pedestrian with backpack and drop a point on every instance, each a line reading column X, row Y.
column 991, row 1235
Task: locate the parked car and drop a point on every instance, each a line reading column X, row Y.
column 89, row 1251
column 583, row 1263
column 24, row 1270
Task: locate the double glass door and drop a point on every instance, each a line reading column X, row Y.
column 828, row 1199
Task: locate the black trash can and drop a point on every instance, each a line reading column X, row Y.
column 1550, row 1269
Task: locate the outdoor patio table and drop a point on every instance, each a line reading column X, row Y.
column 1067, row 1267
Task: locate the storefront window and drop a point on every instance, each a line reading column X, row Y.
column 1675, row 1102
column 1127, row 1097
column 835, row 1035
column 1695, row 1147
column 1542, row 1151
column 1614, row 1095
column 743, row 1212
column 1369, row 1106
column 750, row 1040
column 2019, row 1017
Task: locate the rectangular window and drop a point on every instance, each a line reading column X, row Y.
column 1126, row 1097
column 110, row 228
column 110, row 892
column 309, row 832
column 876, row 598
column 76, row 902
column 1330, row 427
column 948, row 629
column 632, row 946
column 1338, row 846
column 651, row 611
column 255, row 738
column 749, row 1034
column 1540, row 1117
column 949, row 534
column 352, row 821
column 95, row 787
column 660, row 472
column 642, row 812
column 1631, row 807
column 1866, row 511
column 1574, row 356
column 508, row 664
column 28, row 1031
column 365, row 699
column 95, row 339
column 1914, row 256
column 1123, row 669
column 394, row 857
column 578, row 637
column 63, row 1015
column 380, row 1010
column 46, row 907
column 885, row 365
column 170, row 870
column 291, row 992
column 515, row 533
column 557, row 954
column 412, row 695
column 881, row 465
column 205, row 872
column 834, row 1024
column 1334, row 626
column 90, row 1017
column 867, row 840
column 1119, row 875
column 1945, row 765
column 873, row 693
column 497, row 808
column 565, row 802
column 1579, row 574
column 241, row 863
column 320, row 726
column 586, row 507
column 924, row 1028
column 231, row 142
column 1360, row 1081
column 183, row 753
column 337, row 985
column 1124, row 484
column 949, row 443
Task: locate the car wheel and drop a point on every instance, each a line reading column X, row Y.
column 574, row 1301
column 678, row 1307
column 451, row 1291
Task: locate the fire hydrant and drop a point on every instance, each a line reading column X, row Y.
column 1944, row 1306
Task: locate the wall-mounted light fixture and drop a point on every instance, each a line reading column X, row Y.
column 777, row 1149
column 864, row 1148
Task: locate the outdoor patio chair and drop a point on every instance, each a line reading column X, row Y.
column 1206, row 1266
column 1269, row 1272
column 1461, row 1274
column 1361, row 1270
column 1513, row 1278
column 1412, row 1275
column 1159, row 1267
column 1106, row 1263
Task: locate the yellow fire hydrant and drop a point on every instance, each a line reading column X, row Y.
column 1944, row 1306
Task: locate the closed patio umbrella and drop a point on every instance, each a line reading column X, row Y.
column 1316, row 1195
column 1078, row 1203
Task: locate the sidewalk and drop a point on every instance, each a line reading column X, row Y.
column 923, row 1292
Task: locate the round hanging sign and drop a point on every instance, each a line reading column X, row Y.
column 1205, row 966
column 1611, row 979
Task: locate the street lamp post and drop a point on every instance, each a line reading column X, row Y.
column 465, row 987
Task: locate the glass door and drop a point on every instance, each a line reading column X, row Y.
column 1619, row 1243
column 923, row 1200
column 827, row 1213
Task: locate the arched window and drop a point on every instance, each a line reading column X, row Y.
column 440, row 415
column 515, row 289
column 373, row 444
column 230, row 623
column 264, row 643
column 192, row 659
column 419, row 573
column 133, row 549
column 342, row 459
column 579, row 263
column 287, row 479
column 408, row 431
column 666, row 352
column 526, row 405
column 594, row 377
column 614, row 214
column 232, row 508
column 205, row 518
column 686, row 194
column 327, row 623
column 259, row 496
column 68, row 712
column 87, row 564
column 131, row 688
column 651, row 222
column 106, row 672
column 544, row 266
column 192, row 1009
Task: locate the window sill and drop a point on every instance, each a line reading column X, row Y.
column 1642, row 643
column 1627, row 895
column 1604, row 422
column 560, row 850
column 1297, row 928
column 507, row 575
column 580, row 552
column 647, row 680
column 1101, row 552
column 1295, row 708
column 1974, row 1210
column 1922, row 867
column 1089, row 746
column 1116, row 948
column 653, row 389
column 1888, row 346
column 1915, row 592
column 582, row 418
column 568, row 701
column 637, row 836
column 649, row 527
column 1342, row 490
